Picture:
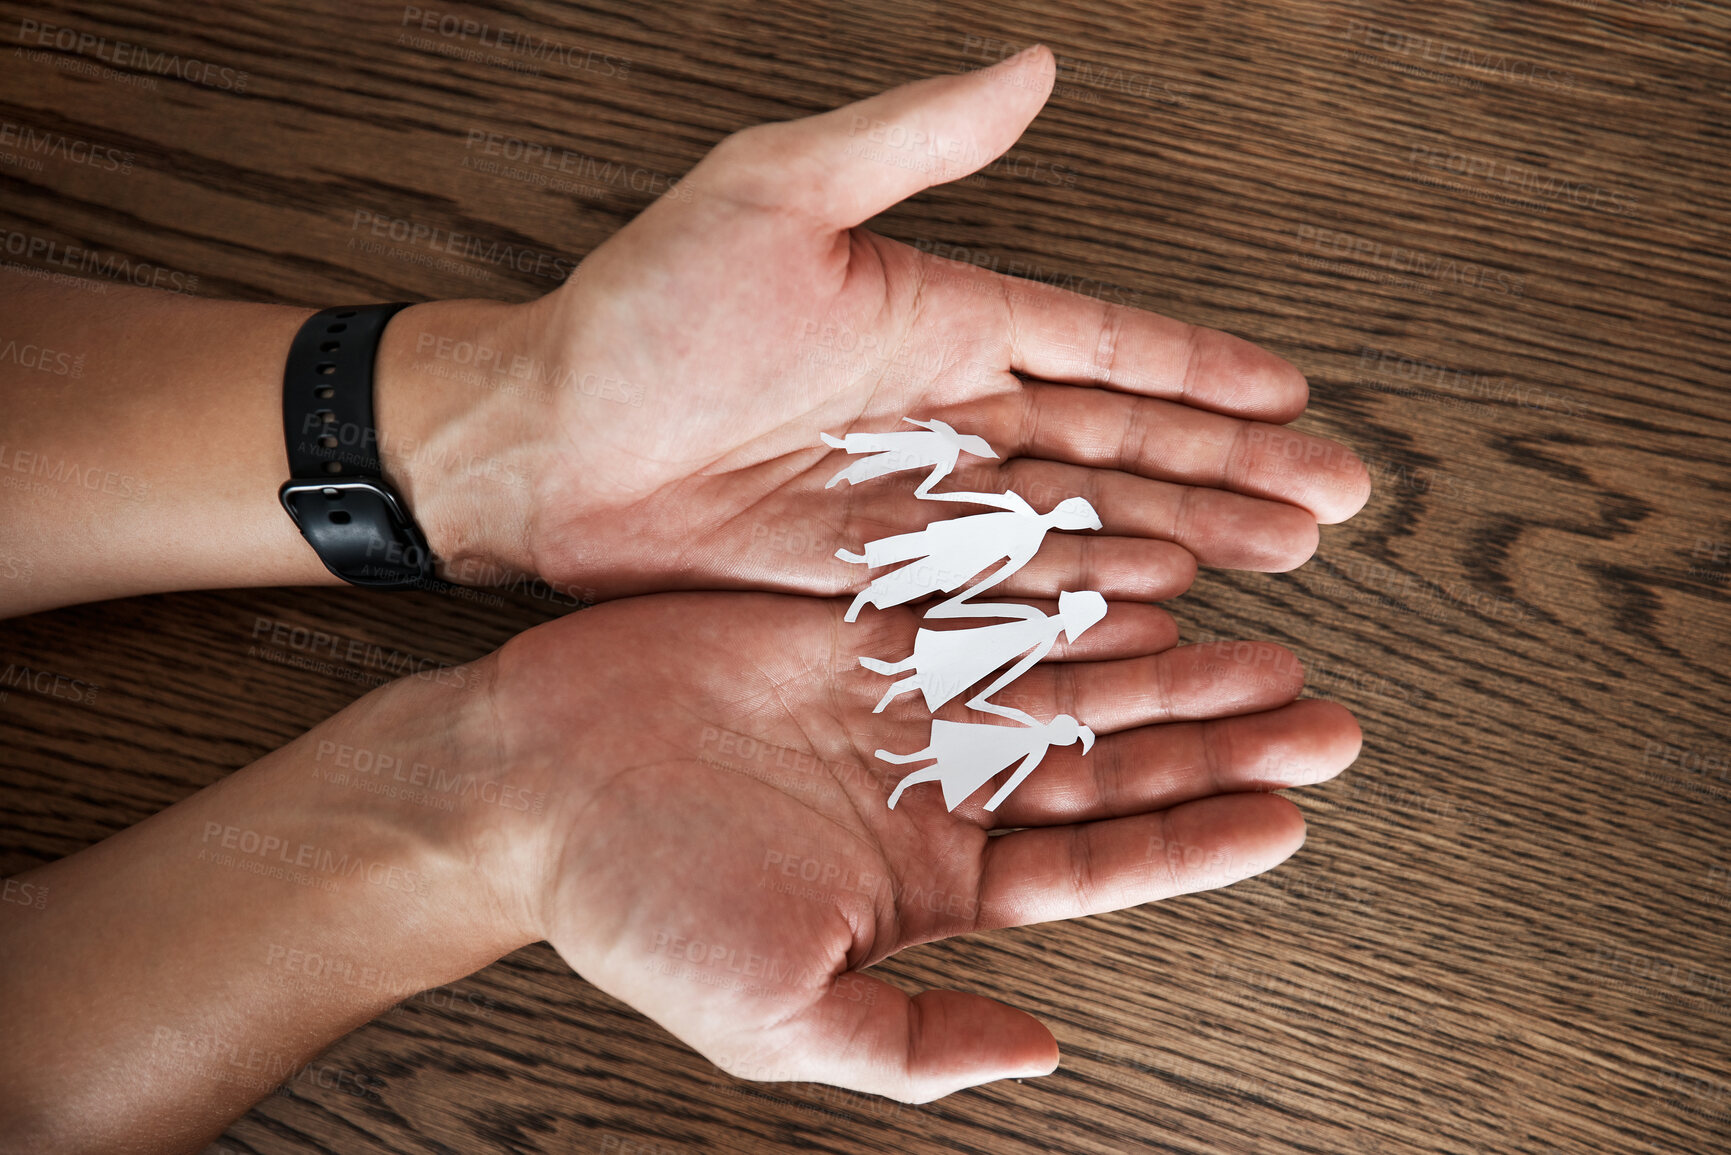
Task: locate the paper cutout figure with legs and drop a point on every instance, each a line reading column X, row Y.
column 968, row 754
column 946, row 554
column 939, row 448
column 946, row 662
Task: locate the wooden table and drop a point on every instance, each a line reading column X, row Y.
column 1493, row 235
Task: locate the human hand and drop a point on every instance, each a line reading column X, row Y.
column 697, row 355
column 718, row 852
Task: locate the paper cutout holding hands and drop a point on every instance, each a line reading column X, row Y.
column 968, row 754
column 945, row 554
column 939, row 448
column 946, row 662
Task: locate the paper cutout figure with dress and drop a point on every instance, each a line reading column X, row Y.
column 939, row 448
column 968, row 754
column 945, row 554
column 943, row 557
column 946, row 662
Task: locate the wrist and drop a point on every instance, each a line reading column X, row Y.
column 277, row 909
column 458, row 438
column 419, row 763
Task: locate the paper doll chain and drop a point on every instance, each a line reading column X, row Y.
column 944, row 557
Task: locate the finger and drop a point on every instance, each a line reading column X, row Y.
column 1054, row 872
column 1190, row 683
column 1172, row 442
column 1219, row 527
column 842, row 167
column 869, row 1036
column 1057, row 335
column 1154, row 767
column 1129, row 630
column 1120, row 568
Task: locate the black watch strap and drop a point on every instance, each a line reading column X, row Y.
column 337, row 492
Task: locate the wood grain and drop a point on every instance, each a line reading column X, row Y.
column 1494, row 236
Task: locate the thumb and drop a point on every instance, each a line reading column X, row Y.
column 842, row 167
column 921, row 1048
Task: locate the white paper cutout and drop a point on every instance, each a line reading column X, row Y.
column 941, row 558
column 968, row 754
column 895, row 452
column 946, row 662
column 946, row 554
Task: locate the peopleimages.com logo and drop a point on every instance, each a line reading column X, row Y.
column 125, row 54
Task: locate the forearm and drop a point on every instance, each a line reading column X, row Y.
column 153, row 468
column 178, row 971
column 141, row 442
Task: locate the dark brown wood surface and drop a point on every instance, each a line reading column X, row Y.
column 1494, row 236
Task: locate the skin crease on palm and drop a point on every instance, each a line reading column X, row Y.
column 754, row 314
column 753, row 748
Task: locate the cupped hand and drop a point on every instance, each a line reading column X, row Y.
column 698, row 354
column 718, row 851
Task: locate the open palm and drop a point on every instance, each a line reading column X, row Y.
column 719, row 852
column 745, row 313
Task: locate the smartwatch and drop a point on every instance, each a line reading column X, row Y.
column 337, row 493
